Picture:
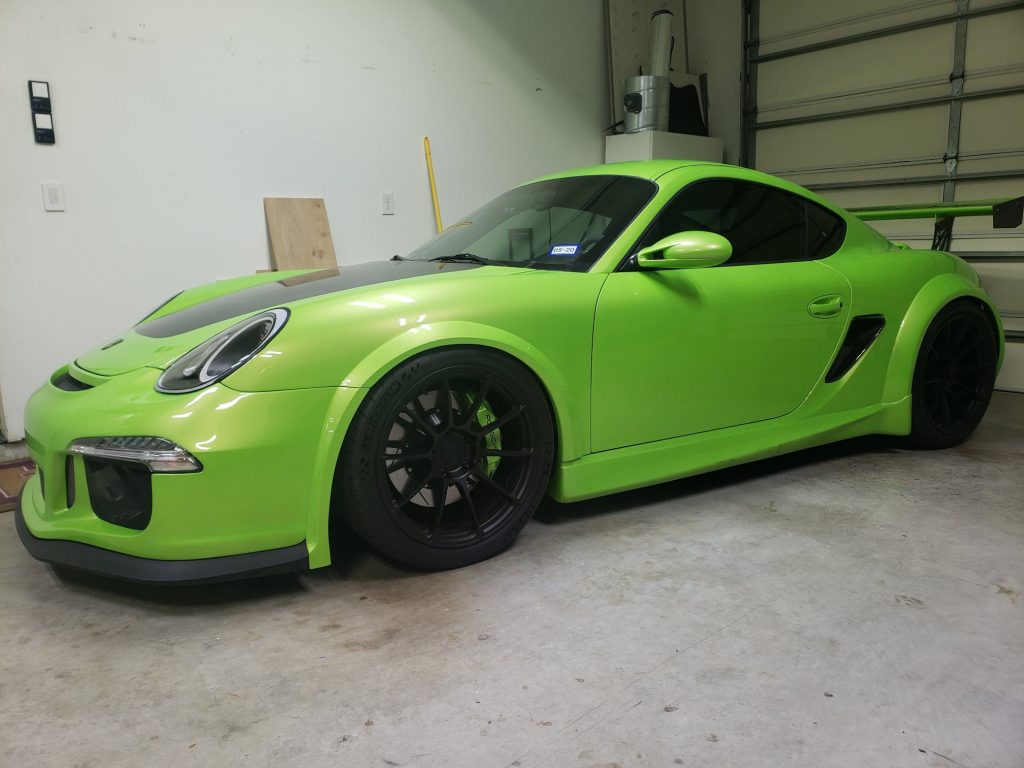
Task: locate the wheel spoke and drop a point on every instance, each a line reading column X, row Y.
column 944, row 407
column 498, row 423
column 485, row 385
column 957, row 334
column 967, row 349
column 445, row 395
column 413, row 487
column 487, row 479
column 972, row 391
column 507, row 454
column 407, row 458
column 467, row 497
column 440, row 495
column 417, row 419
column 955, row 402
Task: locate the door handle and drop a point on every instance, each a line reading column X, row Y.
column 826, row 306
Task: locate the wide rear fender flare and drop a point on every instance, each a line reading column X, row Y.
column 929, row 301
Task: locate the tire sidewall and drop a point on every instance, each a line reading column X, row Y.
column 358, row 477
column 924, row 432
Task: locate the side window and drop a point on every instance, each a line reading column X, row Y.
column 763, row 224
column 825, row 231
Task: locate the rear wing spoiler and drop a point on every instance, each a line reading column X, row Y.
column 1006, row 213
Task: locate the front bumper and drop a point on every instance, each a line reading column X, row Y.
column 248, row 509
column 85, row 557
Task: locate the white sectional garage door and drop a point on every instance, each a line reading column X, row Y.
column 876, row 103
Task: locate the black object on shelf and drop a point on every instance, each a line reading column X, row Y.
column 684, row 112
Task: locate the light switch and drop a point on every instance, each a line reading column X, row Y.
column 53, row 196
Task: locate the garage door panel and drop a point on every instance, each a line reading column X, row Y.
column 983, row 190
column 913, row 139
column 989, row 125
column 866, row 175
column 994, row 44
column 1005, row 284
column 788, row 24
column 877, row 72
column 995, row 163
column 914, row 232
column 905, row 194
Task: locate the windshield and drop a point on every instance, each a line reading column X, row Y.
column 562, row 224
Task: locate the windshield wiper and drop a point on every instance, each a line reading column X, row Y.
column 464, row 257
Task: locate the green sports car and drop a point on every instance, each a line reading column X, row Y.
column 586, row 333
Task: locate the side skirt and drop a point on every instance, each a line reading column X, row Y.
column 636, row 466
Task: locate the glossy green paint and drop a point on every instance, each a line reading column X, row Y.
column 685, row 250
column 256, row 449
column 651, row 375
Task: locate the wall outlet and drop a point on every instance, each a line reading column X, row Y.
column 387, row 203
column 53, row 196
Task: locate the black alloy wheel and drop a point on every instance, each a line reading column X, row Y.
column 447, row 458
column 954, row 376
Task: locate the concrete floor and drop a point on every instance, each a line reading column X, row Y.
column 13, row 451
column 858, row 605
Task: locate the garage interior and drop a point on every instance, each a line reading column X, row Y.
column 852, row 604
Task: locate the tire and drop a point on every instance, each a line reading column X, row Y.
column 953, row 377
column 446, row 459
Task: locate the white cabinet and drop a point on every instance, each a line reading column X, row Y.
column 661, row 145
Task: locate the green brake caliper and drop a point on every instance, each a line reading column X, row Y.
column 485, row 416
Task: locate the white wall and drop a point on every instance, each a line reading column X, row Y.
column 714, row 44
column 174, row 119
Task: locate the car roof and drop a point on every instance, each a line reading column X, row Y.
column 655, row 169
column 644, row 169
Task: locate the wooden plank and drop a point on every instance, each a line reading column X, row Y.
column 299, row 233
column 13, row 476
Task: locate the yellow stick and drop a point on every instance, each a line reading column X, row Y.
column 433, row 184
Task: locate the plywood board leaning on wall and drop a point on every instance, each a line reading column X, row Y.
column 299, row 233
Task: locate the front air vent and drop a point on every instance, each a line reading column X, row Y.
column 69, row 383
column 864, row 329
column 120, row 492
column 69, row 480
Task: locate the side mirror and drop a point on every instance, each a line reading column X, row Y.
column 685, row 250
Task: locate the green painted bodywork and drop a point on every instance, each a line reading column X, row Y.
column 651, row 374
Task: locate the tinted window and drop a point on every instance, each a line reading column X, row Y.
column 558, row 224
column 825, row 231
column 763, row 224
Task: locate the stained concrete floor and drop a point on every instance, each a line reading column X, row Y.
column 858, row 605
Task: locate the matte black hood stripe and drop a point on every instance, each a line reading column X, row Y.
column 275, row 294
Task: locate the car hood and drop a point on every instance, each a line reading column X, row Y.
column 194, row 316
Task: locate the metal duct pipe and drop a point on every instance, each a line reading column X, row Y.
column 646, row 104
column 661, row 43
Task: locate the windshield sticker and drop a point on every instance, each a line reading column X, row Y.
column 563, row 250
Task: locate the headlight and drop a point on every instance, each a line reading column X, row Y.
column 158, row 454
column 212, row 360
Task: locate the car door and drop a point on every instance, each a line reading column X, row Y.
column 682, row 351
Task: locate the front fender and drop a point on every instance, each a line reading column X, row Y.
column 569, row 408
column 933, row 296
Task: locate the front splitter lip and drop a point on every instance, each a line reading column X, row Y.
column 85, row 557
